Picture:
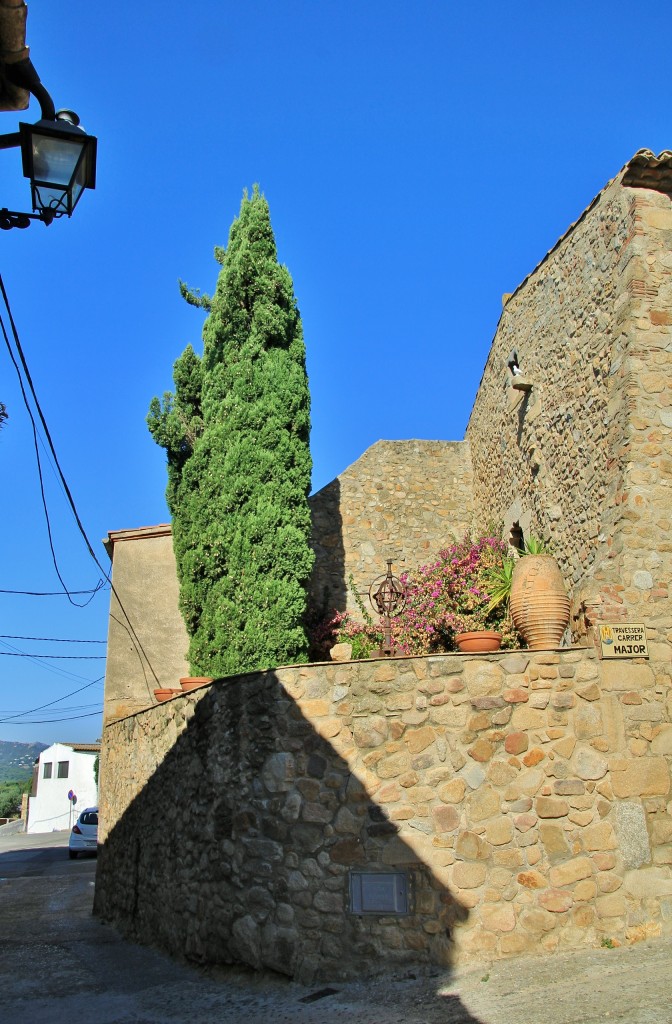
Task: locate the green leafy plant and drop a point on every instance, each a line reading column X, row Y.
column 10, row 797
column 359, row 601
column 498, row 580
column 535, row 546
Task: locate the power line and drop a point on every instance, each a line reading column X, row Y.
column 39, row 464
column 70, row 708
column 70, row 711
column 54, row 657
column 42, row 707
column 24, row 364
column 17, row 341
column 49, row 639
column 51, row 721
column 57, row 670
column 55, row 593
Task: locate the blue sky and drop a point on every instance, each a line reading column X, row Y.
column 419, row 159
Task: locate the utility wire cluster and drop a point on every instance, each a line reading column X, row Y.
column 18, row 359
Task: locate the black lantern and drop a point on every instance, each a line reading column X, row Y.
column 60, row 160
column 58, row 156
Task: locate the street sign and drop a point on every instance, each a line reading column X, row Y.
column 623, row 640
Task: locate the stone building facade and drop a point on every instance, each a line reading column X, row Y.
column 518, row 800
column 584, row 459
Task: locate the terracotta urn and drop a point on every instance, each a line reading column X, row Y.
column 193, row 682
column 480, row 641
column 539, row 603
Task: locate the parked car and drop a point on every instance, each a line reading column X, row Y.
column 84, row 835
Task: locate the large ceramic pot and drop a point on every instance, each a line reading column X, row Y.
column 479, row 641
column 539, row 603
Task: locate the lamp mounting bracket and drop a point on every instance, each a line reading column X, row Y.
column 10, row 219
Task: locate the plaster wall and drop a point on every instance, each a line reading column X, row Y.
column 147, row 639
column 526, row 795
column 50, row 810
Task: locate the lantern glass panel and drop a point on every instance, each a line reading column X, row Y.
column 54, row 160
column 79, row 184
column 47, row 197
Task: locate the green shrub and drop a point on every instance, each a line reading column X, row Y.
column 236, row 433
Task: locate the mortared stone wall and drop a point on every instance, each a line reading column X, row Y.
column 526, row 797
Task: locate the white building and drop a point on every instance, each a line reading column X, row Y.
column 63, row 785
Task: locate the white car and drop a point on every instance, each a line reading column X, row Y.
column 84, row 835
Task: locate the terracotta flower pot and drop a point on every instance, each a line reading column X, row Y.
column 479, row 641
column 193, row 682
column 539, row 603
column 162, row 695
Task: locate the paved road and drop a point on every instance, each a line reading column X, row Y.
column 59, row 965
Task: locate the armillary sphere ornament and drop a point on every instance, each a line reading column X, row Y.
column 387, row 595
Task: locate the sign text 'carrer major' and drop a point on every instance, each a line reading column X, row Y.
column 623, row 640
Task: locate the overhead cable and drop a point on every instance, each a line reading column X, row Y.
column 139, row 649
column 54, row 593
column 54, row 657
column 56, row 669
column 42, row 707
column 39, row 468
column 51, row 721
column 49, row 639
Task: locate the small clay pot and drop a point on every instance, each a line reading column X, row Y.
column 480, row 641
column 162, row 695
column 193, row 682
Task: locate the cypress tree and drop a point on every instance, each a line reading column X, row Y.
column 236, row 433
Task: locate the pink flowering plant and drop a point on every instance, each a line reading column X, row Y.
column 453, row 594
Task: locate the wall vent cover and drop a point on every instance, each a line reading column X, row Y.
column 378, row 892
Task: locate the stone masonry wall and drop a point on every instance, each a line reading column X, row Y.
column 402, row 500
column 526, row 794
column 634, row 582
column 584, row 460
column 554, row 460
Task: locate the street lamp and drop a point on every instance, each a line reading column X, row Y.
column 60, row 160
column 58, row 156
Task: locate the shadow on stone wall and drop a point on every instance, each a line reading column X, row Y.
column 328, row 586
column 240, row 845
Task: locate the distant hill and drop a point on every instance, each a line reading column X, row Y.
column 17, row 759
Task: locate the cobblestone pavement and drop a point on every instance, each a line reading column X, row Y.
column 59, row 964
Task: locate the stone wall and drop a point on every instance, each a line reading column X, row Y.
column 402, row 500
column 553, row 462
column 584, row 459
column 527, row 796
column 635, row 579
